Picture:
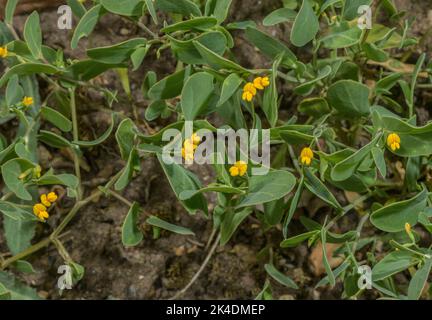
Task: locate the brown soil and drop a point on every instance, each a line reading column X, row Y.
column 158, row 268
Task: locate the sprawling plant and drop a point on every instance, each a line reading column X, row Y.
column 352, row 137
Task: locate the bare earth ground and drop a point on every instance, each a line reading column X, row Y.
column 157, row 269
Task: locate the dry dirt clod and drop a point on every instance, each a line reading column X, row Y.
column 316, row 258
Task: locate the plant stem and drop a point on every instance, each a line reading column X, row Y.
column 75, row 134
column 25, row 253
column 200, row 270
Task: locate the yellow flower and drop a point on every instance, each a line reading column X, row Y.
column 52, row 197
column 44, row 200
column 187, row 154
column 189, row 147
column 196, row 139
column 3, row 52
column 408, row 228
column 40, row 211
column 261, row 82
column 249, row 91
column 27, row 101
column 306, row 156
column 393, row 141
column 238, row 169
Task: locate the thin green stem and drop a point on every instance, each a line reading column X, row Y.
column 75, row 134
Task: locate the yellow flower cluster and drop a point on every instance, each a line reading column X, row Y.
column 238, row 169
column 189, row 147
column 27, row 101
column 3, row 52
column 306, row 156
column 40, row 209
column 393, row 141
column 250, row 88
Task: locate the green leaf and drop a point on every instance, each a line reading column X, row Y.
column 195, row 94
column 33, row 35
column 374, row 53
column 278, row 16
column 346, row 168
column 269, row 46
column 86, row 70
column 56, row 118
column 293, row 207
column 184, row 7
column 296, row 240
column 215, row 187
column 10, row 10
column 350, row 10
column 137, row 57
column 419, row 280
column 11, row 172
column 102, row 138
column 86, row 24
column 217, row 61
column 65, row 179
column 378, row 156
column 131, row 234
column 181, row 180
column 385, row 84
column 293, row 137
column 27, row 69
column 14, row 92
column 157, row 222
column 392, row 263
column 305, row 26
column 151, row 9
column 155, row 110
column 218, row 8
column 342, row 36
column 77, row 7
column 169, row 87
column 125, row 136
column 270, row 105
column 229, row 87
column 117, row 53
column 269, row 187
column 349, row 98
column 392, row 218
column 415, row 141
column 13, row 211
column 230, row 223
column 314, row 107
column 54, row 140
column 123, row 7
column 18, row 233
column 196, row 24
column 279, row 276
column 316, row 187
column 24, row 266
column 328, row 4
column 306, row 87
column 337, row 272
column 188, row 53
column 330, row 274
column 15, row 289
column 132, row 165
